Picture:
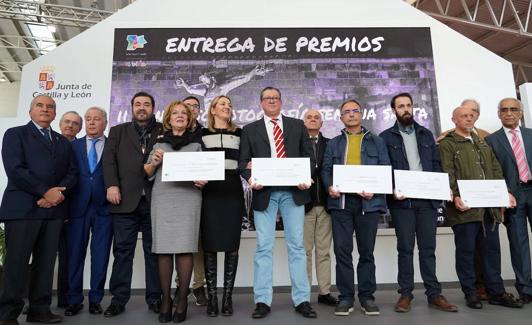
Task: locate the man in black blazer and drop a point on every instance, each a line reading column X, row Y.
column 129, row 191
column 40, row 171
column 278, row 136
column 513, row 147
column 318, row 225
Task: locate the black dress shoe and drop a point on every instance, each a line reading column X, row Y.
column 261, row 310
column 72, row 310
column 525, row 299
column 9, row 322
column 506, row 300
column 95, row 308
column 155, row 306
column 46, row 318
column 306, row 310
column 327, row 299
column 114, row 310
column 473, row 302
column 180, row 317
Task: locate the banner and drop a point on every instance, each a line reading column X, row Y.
column 314, row 68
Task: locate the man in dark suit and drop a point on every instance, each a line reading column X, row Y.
column 318, row 227
column 89, row 213
column 39, row 167
column 513, row 148
column 70, row 124
column 277, row 136
column 129, row 191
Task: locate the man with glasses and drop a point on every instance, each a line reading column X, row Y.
column 512, row 145
column 354, row 212
column 40, row 171
column 194, row 104
column 129, row 192
column 277, row 136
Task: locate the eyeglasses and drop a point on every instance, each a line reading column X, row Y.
column 512, row 110
column 195, row 106
column 271, row 99
column 351, row 111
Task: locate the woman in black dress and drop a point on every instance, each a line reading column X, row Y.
column 223, row 205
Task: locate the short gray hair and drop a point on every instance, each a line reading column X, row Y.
column 471, row 100
column 35, row 98
column 510, row 98
column 99, row 109
column 75, row 113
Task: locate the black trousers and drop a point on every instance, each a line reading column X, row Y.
column 62, row 268
column 126, row 227
column 25, row 238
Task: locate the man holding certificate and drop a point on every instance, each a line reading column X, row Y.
column 354, row 212
column 412, row 147
column 513, row 147
column 464, row 156
column 277, row 136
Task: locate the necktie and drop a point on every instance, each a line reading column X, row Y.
column 93, row 155
column 314, row 141
column 46, row 134
column 278, row 139
column 519, row 157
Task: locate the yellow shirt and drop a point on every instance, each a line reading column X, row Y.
column 354, row 142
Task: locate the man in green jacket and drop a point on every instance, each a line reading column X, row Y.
column 465, row 156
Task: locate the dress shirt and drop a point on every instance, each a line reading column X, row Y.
column 269, row 129
column 99, row 146
column 510, row 137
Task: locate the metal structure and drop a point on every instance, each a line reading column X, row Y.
column 502, row 26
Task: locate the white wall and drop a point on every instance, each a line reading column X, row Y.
column 525, row 90
column 9, row 93
column 463, row 70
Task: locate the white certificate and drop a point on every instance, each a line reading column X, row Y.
column 376, row 179
column 281, row 171
column 422, row 185
column 489, row 193
column 193, row 166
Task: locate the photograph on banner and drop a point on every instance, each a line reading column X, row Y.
column 313, row 68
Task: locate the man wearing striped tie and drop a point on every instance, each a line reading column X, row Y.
column 277, row 136
column 512, row 145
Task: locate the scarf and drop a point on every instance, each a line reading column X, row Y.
column 178, row 141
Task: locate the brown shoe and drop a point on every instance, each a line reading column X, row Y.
column 482, row 294
column 442, row 304
column 403, row 304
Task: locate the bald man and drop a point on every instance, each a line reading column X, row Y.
column 318, row 227
column 464, row 155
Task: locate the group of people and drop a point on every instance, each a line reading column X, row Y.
column 63, row 192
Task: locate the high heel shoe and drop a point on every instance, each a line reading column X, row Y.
column 165, row 317
column 180, row 317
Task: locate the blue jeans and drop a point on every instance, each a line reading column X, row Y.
column 419, row 221
column 344, row 223
column 293, row 221
column 466, row 237
column 517, row 230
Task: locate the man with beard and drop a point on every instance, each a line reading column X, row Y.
column 412, row 147
column 129, row 191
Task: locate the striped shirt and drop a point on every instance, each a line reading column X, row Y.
column 224, row 140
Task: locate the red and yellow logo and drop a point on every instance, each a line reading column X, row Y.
column 46, row 78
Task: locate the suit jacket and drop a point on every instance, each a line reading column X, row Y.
column 505, row 155
column 33, row 166
column 90, row 188
column 123, row 165
column 254, row 143
column 318, row 192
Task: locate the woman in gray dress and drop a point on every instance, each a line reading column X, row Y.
column 175, row 210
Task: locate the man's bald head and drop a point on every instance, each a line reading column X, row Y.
column 464, row 119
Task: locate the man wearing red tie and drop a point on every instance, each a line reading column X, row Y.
column 277, row 136
column 512, row 145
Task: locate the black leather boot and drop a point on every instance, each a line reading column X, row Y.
column 230, row 266
column 210, row 277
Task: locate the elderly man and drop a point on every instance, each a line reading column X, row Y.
column 464, row 155
column 277, row 136
column 512, row 145
column 89, row 214
column 358, row 213
column 129, row 192
column 70, row 124
column 318, row 226
column 40, row 170
column 412, row 147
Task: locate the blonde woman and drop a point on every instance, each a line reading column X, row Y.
column 223, row 205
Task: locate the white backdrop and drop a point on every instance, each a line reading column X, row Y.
column 463, row 70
